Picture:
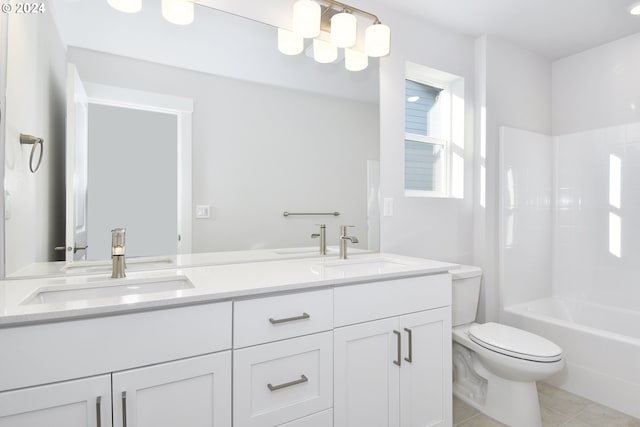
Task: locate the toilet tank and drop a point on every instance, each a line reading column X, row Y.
column 466, row 293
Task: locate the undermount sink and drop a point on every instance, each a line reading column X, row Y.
column 106, row 289
column 104, row 266
column 367, row 266
column 302, row 250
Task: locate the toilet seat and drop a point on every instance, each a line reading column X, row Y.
column 514, row 342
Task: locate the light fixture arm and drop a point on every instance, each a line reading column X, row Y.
column 352, row 9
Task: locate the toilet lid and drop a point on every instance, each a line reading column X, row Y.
column 515, row 342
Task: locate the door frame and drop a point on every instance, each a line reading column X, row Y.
column 182, row 108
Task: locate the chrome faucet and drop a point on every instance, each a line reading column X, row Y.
column 343, row 240
column 323, row 238
column 117, row 253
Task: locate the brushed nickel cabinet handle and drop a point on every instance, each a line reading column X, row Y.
column 124, row 409
column 303, row 316
column 399, row 356
column 99, row 411
column 303, row 379
column 410, row 358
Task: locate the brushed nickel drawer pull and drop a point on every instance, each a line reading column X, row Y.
column 303, row 379
column 410, row 333
column 398, row 360
column 303, row 316
column 99, row 411
column 124, row 409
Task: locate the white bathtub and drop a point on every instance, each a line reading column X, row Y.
column 601, row 345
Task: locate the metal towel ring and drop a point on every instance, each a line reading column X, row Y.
column 34, row 141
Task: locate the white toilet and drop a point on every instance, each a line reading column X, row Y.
column 495, row 367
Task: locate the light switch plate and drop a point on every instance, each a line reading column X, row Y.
column 388, row 206
column 203, row 211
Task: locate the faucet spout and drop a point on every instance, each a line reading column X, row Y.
column 343, row 240
column 323, row 238
column 118, row 253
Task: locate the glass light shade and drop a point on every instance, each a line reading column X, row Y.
column 306, row 18
column 354, row 60
column 127, row 6
column 343, row 29
column 634, row 9
column 377, row 40
column 289, row 42
column 178, row 11
column 324, row 52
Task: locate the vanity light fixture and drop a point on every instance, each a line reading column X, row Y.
column 306, row 18
column 311, row 18
column 289, row 42
column 324, row 52
column 634, row 9
column 354, row 60
column 344, row 29
column 178, row 12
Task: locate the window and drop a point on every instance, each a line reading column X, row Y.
column 434, row 146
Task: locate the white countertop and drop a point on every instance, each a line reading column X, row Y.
column 210, row 283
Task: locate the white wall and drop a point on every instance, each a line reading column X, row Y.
column 438, row 228
column 591, row 264
column 258, row 151
column 597, row 88
column 515, row 91
column 526, row 171
column 35, row 105
column 596, row 114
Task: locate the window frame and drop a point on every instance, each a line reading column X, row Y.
column 453, row 115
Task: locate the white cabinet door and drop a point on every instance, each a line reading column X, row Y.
column 425, row 376
column 194, row 392
column 394, row 372
column 366, row 379
column 80, row 403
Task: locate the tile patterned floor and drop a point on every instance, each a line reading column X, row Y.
column 559, row 409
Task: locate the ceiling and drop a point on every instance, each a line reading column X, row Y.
column 551, row 28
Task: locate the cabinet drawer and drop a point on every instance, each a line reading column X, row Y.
column 321, row 419
column 377, row 300
column 262, row 320
column 282, row 381
column 59, row 351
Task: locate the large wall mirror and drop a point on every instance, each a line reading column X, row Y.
column 199, row 137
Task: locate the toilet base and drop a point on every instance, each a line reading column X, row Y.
column 513, row 403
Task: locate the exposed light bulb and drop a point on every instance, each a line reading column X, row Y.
column 377, row 40
column 413, row 99
column 324, row 52
column 178, row 12
column 289, row 42
column 306, row 18
column 343, row 29
column 354, row 60
column 126, row 6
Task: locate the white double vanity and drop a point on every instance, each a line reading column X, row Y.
column 312, row 342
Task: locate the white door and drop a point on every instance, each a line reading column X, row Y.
column 81, row 403
column 366, row 374
column 425, row 377
column 77, row 126
column 194, row 392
